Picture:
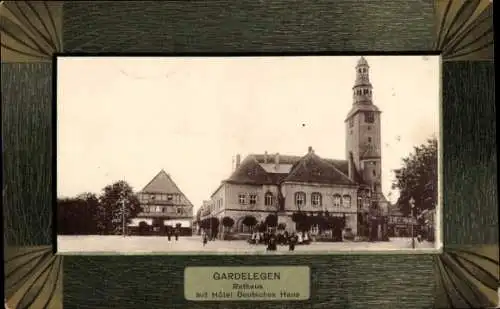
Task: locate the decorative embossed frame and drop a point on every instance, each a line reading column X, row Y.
column 465, row 275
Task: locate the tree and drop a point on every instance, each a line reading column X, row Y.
column 77, row 216
column 227, row 222
column 249, row 221
column 418, row 178
column 301, row 220
column 111, row 207
column 271, row 220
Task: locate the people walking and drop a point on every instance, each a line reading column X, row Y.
column 177, row 232
column 272, row 243
column 205, row 238
column 292, row 241
column 168, row 234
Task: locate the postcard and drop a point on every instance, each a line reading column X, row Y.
column 248, row 155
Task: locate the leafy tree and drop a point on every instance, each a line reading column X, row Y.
column 77, row 216
column 249, row 221
column 271, row 220
column 302, row 221
column 112, row 208
column 418, row 178
column 198, row 215
column 227, row 222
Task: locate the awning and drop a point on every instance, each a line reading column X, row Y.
column 136, row 221
column 183, row 223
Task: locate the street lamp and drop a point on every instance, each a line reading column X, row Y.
column 123, row 216
column 412, row 205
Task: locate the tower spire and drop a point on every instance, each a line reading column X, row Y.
column 362, row 90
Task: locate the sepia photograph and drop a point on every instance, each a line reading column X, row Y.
column 248, row 155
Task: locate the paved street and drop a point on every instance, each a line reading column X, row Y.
column 193, row 244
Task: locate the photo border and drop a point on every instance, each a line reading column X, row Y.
column 438, row 245
column 465, row 273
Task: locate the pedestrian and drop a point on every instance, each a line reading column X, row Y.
column 177, row 232
column 205, row 239
column 168, row 234
column 272, row 243
column 292, row 241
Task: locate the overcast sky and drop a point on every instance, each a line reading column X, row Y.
column 128, row 118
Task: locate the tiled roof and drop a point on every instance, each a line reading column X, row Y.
column 309, row 168
column 162, row 183
column 360, row 107
column 362, row 61
column 312, row 168
column 342, row 165
column 250, row 172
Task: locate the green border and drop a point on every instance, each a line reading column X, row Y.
column 465, row 276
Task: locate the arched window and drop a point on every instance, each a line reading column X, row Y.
column 300, row 198
column 316, row 199
column 347, row 201
column 268, row 199
column 365, row 91
column 337, row 200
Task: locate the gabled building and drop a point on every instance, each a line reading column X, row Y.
column 264, row 184
column 164, row 206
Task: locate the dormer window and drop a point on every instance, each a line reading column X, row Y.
column 351, row 122
column 369, row 117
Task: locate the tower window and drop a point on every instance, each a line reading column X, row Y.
column 364, row 70
column 369, row 117
column 359, row 70
column 365, row 91
column 369, row 128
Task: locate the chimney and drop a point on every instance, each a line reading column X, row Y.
column 265, row 157
column 238, row 161
column 276, row 160
column 310, row 150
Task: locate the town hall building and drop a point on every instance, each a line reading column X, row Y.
column 264, row 184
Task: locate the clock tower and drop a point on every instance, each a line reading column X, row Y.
column 363, row 142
